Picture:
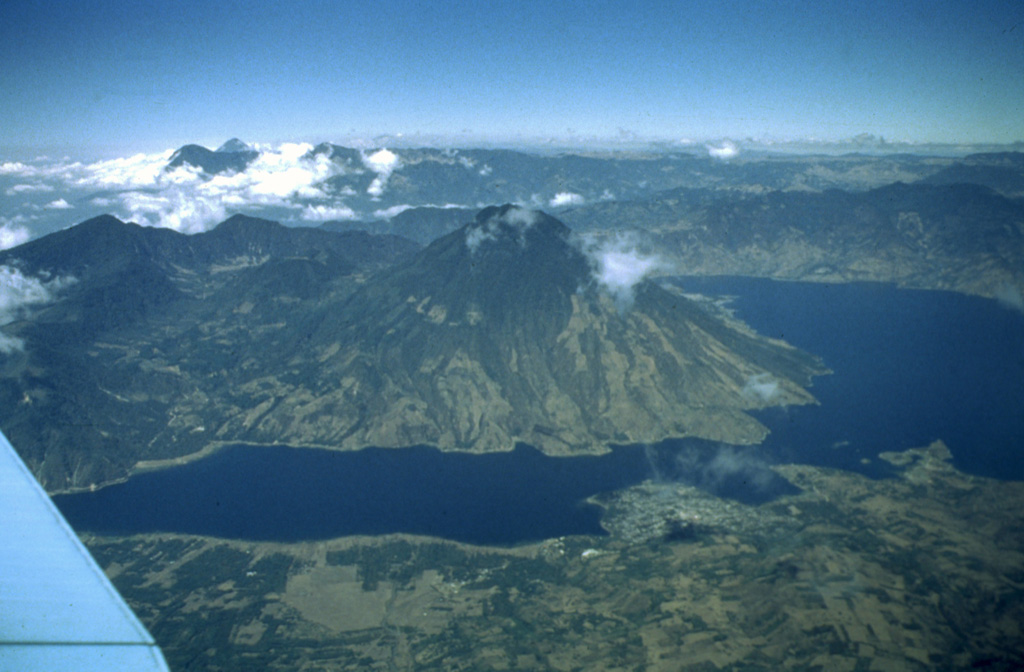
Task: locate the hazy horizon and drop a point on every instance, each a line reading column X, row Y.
column 105, row 79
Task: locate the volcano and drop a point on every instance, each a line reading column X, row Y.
column 503, row 331
column 499, row 333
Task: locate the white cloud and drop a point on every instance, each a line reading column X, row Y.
column 16, row 219
column 475, row 236
column 17, row 168
column 519, row 220
column 729, row 463
column 388, row 213
column 186, row 200
column 184, row 174
column 486, row 170
column 566, row 198
column 134, row 172
column 289, row 171
column 28, row 189
column 383, row 162
column 761, row 387
column 727, row 150
column 619, row 265
column 173, row 209
column 59, row 204
column 9, row 344
column 17, row 293
column 714, row 467
column 323, row 213
column 621, row 270
column 12, row 236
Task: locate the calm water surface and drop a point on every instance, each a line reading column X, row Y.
column 908, row 367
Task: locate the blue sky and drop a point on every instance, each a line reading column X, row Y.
column 111, row 78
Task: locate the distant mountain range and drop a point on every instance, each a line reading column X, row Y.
column 431, row 176
column 435, row 321
column 233, row 156
column 918, row 221
column 375, row 185
column 963, row 237
column 501, row 331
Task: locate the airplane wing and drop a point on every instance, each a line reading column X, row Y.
column 58, row 611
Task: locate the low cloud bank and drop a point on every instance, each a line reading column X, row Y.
column 324, row 213
column 289, row 176
column 279, row 177
column 393, row 211
column 17, row 168
column 18, row 292
column 176, row 209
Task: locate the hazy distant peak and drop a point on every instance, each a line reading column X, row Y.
column 336, row 153
column 234, row 145
column 245, row 222
column 187, row 152
column 223, row 160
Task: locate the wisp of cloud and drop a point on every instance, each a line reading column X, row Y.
column 383, row 162
column 727, row 150
column 619, row 265
column 761, row 387
column 741, row 473
column 11, row 234
column 1011, row 297
column 17, row 293
column 517, row 219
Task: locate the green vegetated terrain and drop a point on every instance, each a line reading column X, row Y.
column 916, row 573
column 500, row 332
column 963, row 237
column 478, row 329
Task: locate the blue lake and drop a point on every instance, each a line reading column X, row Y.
column 908, row 367
column 285, row 494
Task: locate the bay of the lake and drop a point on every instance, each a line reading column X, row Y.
column 909, row 367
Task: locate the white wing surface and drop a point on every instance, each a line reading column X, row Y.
column 58, row 611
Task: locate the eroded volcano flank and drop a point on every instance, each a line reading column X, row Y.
column 499, row 333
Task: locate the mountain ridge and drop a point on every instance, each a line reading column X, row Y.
column 964, row 237
column 514, row 341
column 498, row 333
